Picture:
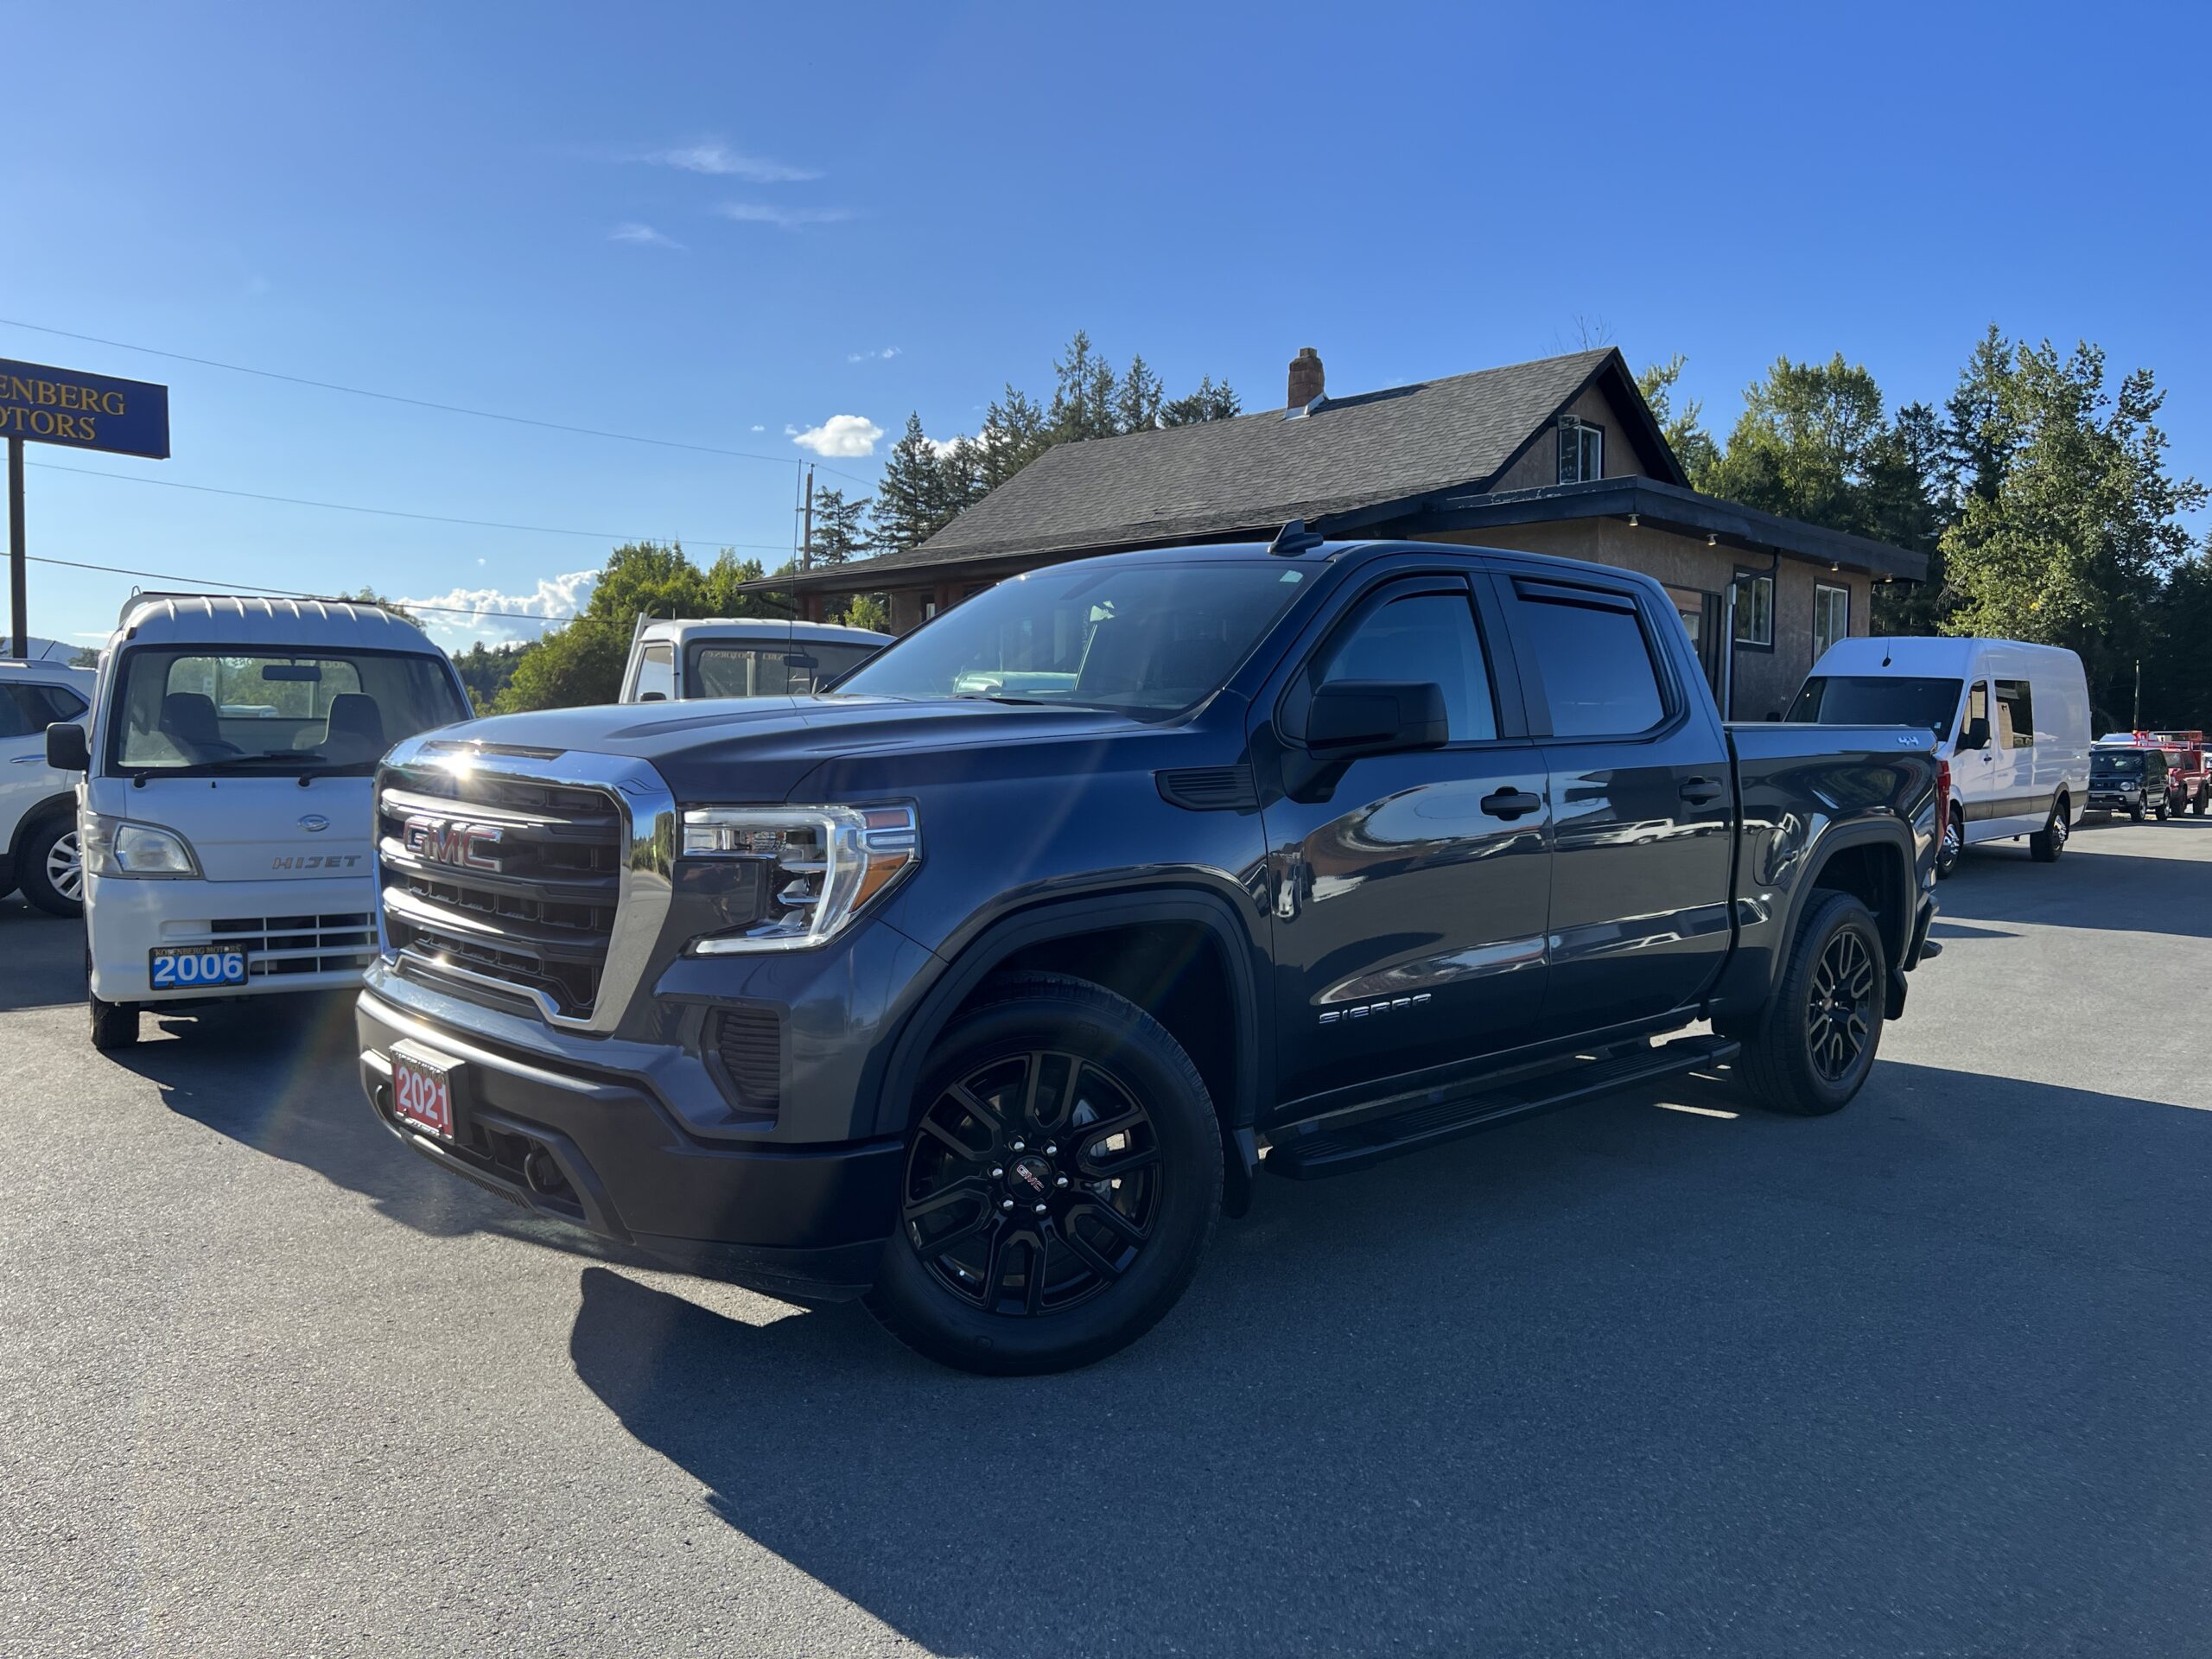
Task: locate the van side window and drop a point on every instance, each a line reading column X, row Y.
column 2015, row 715
column 1977, row 721
column 655, row 673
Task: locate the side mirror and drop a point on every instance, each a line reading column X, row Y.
column 1352, row 718
column 1976, row 735
column 67, row 749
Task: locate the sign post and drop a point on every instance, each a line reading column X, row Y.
column 40, row 404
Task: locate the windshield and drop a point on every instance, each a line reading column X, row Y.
column 192, row 711
column 1145, row 639
column 1878, row 700
column 2130, row 763
column 774, row 669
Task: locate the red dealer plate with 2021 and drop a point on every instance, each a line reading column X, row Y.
column 422, row 1089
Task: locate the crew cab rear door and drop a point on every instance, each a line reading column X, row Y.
column 1410, row 890
column 1642, row 800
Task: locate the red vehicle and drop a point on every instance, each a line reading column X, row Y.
column 2189, row 766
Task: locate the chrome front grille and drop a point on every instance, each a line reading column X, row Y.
column 523, row 877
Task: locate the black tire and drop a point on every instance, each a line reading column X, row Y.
column 49, row 868
column 1049, row 1035
column 1952, row 845
column 1779, row 1062
column 115, row 1025
column 2048, row 843
column 2160, row 810
column 2202, row 796
column 2135, row 813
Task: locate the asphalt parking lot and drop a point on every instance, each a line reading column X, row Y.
column 1928, row 1377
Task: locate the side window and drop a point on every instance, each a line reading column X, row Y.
column 18, row 715
column 1425, row 638
column 1581, row 451
column 1974, row 733
column 1754, row 608
column 1831, row 616
column 656, row 674
column 1595, row 662
column 2015, row 715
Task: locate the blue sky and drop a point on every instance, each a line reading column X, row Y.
column 727, row 224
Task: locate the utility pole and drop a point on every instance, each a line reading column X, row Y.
column 806, row 537
column 18, row 596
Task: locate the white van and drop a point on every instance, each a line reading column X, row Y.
column 740, row 657
column 2012, row 720
column 224, row 812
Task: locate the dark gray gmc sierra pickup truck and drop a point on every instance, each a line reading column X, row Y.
column 980, row 985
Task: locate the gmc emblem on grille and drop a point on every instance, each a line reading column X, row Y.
column 450, row 840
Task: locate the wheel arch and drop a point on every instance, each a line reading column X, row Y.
column 1183, row 955
column 1872, row 859
column 38, row 813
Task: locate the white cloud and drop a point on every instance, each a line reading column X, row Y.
column 872, row 357
column 461, row 616
column 841, row 434
column 783, row 218
column 642, row 236
column 759, row 428
column 717, row 159
column 944, row 446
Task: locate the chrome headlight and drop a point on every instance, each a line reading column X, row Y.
column 116, row 847
column 822, row 866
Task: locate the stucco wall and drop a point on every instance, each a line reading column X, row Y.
column 1765, row 679
column 1540, row 467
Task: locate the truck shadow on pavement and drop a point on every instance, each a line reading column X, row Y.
column 1622, row 1380
column 278, row 1074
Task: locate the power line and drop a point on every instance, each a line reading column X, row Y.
column 387, row 513
column 420, row 403
column 213, row 586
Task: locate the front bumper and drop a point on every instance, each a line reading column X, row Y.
column 808, row 1221
column 297, row 935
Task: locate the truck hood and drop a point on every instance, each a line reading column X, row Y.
column 735, row 749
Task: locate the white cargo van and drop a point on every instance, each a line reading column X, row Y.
column 740, row 657
column 2012, row 720
column 224, row 811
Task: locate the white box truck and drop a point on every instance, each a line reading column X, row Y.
column 224, row 812
column 2011, row 722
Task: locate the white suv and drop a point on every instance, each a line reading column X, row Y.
column 38, row 804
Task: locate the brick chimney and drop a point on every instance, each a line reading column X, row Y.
column 1305, row 376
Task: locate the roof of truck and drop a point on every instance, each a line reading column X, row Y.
column 1916, row 654
column 243, row 619
column 757, row 627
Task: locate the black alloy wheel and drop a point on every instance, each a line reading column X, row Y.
column 1840, row 1013
column 1063, row 1174
column 1033, row 1185
column 1812, row 1046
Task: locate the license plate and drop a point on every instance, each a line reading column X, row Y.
column 177, row 967
column 422, row 1089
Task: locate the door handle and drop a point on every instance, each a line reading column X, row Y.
column 1510, row 803
column 1698, row 790
column 28, row 760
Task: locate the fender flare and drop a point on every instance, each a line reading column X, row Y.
column 1895, row 834
column 897, row 1072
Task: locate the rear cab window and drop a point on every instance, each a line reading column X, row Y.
column 1592, row 658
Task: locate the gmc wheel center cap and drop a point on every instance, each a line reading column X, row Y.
column 1029, row 1178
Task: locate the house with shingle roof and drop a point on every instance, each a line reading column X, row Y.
column 1561, row 456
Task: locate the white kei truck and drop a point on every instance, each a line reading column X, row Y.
column 224, row 810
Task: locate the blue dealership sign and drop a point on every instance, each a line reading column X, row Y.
column 85, row 411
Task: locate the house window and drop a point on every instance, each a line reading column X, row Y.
column 1831, row 616
column 1754, row 609
column 1581, row 451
